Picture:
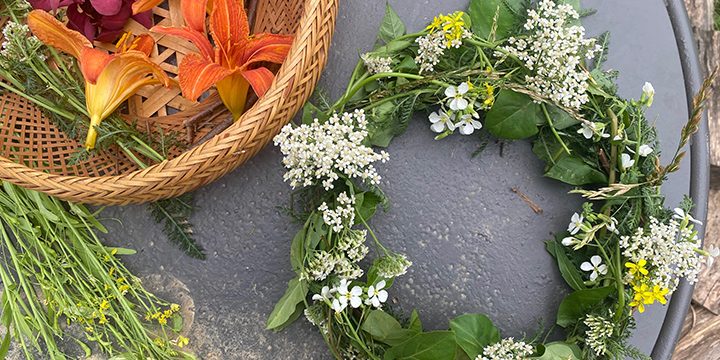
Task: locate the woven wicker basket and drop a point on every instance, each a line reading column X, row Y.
column 35, row 154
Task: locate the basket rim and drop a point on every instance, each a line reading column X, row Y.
column 144, row 185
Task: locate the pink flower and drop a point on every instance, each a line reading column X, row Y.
column 101, row 20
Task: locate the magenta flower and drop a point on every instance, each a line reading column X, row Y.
column 101, row 20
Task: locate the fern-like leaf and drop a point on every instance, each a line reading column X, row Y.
column 174, row 214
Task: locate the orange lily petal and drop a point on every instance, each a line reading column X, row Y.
column 233, row 91
column 198, row 39
column 122, row 77
column 140, row 6
column 197, row 75
column 143, row 43
column 229, row 24
column 267, row 47
column 260, row 79
column 194, row 12
column 92, row 63
column 54, row 33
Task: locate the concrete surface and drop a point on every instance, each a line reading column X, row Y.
column 476, row 245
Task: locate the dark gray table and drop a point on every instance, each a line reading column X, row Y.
column 476, row 246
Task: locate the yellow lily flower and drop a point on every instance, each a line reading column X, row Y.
column 110, row 79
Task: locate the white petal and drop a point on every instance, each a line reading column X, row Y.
column 602, row 269
column 596, row 260
column 438, row 127
column 317, row 297
column 466, row 129
column 645, row 150
column 355, row 302
column 463, row 88
column 593, row 276
column 462, row 104
column 380, row 285
column 586, row 266
column 450, row 92
column 382, row 295
column 454, row 104
column 434, row 117
column 371, row 291
column 568, row 241
column 476, row 124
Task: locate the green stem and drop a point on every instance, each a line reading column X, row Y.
column 552, row 128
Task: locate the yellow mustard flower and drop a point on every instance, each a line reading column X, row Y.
column 489, row 96
column 638, row 268
column 435, row 24
column 639, row 305
column 659, row 294
column 162, row 320
column 182, row 341
column 175, row 307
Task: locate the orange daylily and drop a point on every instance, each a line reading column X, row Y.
column 110, row 79
column 140, row 6
column 235, row 63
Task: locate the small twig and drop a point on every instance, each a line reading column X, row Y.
column 191, row 123
column 533, row 206
column 604, row 160
column 215, row 131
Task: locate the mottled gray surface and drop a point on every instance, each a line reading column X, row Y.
column 476, row 246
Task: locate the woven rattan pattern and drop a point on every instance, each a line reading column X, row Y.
column 293, row 84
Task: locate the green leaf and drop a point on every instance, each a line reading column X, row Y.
column 425, row 346
column 366, row 204
column 385, row 328
column 175, row 214
column 5, row 346
column 567, row 269
column 415, row 323
column 285, row 308
column 574, row 171
column 560, row 118
column 577, row 304
column 86, row 349
column 297, row 249
column 392, row 26
column 473, row 332
column 560, row 351
column 393, row 47
column 391, row 119
column 483, row 15
column 312, row 112
column 514, row 116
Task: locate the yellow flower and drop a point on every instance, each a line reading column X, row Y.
column 124, row 288
column 639, row 305
column 659, row 294
column 104, row 305
column 167, row 313
column 175, row 307
column 162, row 320
column 489, row 96
column 435, row 24
column 111, row 271
column 103, row 319
column 182, row 341
column 638, row 268
column 159, row 342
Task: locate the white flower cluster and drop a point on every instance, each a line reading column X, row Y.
column 431, row 48
column 600, row 330
column 506, row 349
column 392, row 266
column 320, row 151
column 671, row 250
column 341, row 296
column 377, row 64
column 445, row 32
column 18, row 45
column 342, row 216
column 554, row 50
column 350, row 250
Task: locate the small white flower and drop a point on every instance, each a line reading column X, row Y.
column 713, row 252
column 648, row 93
column 468, row 125
column 324, row 294
column 576, row 223
column 595, row 266
column 456, row 95
column 587, row 129
column 680, row 214
column 569, row 241
column 376, row 295
column 645, row 150
column 440, row 121
column 627, row 161
column 612, row 226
